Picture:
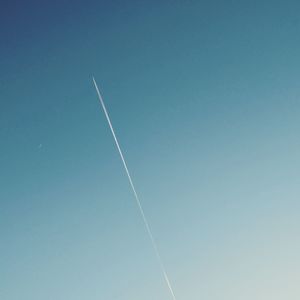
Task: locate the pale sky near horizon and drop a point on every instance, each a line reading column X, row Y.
column 205, row 99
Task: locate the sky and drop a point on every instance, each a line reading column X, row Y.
column 204, row 98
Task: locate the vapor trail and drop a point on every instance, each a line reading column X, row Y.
column 136, row 196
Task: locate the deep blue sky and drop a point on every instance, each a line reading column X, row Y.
column 204, row 96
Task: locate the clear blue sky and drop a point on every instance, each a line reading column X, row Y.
column 204, row 96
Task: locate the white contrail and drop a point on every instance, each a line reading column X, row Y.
column 136, row 196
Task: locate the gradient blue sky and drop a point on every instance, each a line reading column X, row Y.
column 204, row 96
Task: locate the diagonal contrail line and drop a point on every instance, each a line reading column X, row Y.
column 153, row 242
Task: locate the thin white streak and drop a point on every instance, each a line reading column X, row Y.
column 136, row 196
